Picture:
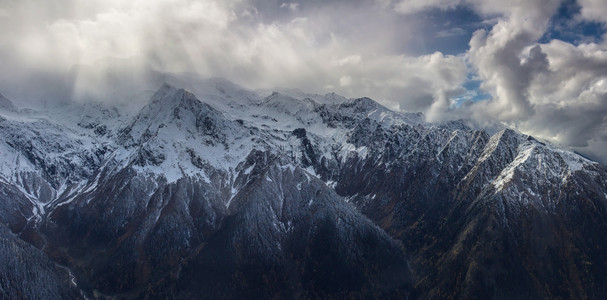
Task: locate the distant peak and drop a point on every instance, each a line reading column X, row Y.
column 361, row 104
column 165, row 88
column 6, row 104
column 459, row 124
column 278, row 96
column 168, row 92
column 509, row 132
column 222, row 82
column 334, row 98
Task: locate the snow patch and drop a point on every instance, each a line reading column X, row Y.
column 574, row 161
column 310, row 170
column 525, row 151
column 347, row 149
column 248, row 170
column 332, row 184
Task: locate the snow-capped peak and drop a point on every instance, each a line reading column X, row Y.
column 170, row 105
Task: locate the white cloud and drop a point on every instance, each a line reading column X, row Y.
column 455, row 31
column 502, row 57
column 225, row 39
column 569, row 98
column 594, row 10
column 345, row 80
column 415, row 6
column 293, row 7
column 555, row 91
column 410, row 83
column 348, row 60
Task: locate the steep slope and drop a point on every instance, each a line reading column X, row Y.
column 289, row 235
column 185, row 185
column 27, row 273
column 296, row 195
column 499, row 217
column 42, row 161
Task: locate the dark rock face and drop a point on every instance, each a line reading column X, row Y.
column 295, row 199
column 27, row 273
column 288, row 235
column 284, row 233
column 537, row 236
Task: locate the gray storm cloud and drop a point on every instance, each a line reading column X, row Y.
column 81, row 51
column 119, row 50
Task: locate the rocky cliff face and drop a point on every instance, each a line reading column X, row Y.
column 297, row 196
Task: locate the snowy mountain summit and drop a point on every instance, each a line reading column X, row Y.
column 221, row 192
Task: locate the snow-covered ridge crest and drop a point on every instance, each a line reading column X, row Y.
column 548, row 162
column 177, row 135
column 175, row 126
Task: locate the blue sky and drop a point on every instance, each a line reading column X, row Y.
column 447, row 31
column 566, row 25
column 539, row 66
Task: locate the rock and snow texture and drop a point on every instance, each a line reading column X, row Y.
column 229, row 192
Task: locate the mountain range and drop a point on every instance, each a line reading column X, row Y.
column 224, row 193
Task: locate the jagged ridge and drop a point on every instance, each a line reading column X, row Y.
column 239, row 187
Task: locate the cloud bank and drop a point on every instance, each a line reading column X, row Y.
column 554, row 89
column 290, row 45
